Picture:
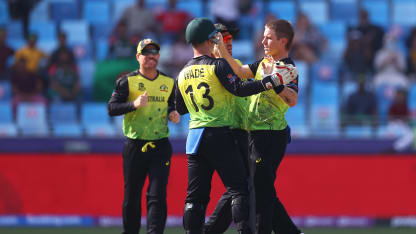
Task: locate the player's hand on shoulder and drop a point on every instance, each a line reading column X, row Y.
column 141, row 100
column 174, row 117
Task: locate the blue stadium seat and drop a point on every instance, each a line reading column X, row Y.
column 6, row 113
column 334, row 30
column 347, row 89
column 8, row 130
column 96, row 12
column 63, row 113
column 344, row 10
column 65, row 10
column 77, row 31
column 119, row 6
column 4, row 12
column 101, row 49
column 40, row 12
column 7, row 126
column 193, row 7
column 47, row 45
column 282, row 10
column 14, row 30
column 118, row 123
column 100, row 130
column 86, row 71
column 67, row 130
column 325, row 120
column 101, row 32
column 404, row 12
column 5, row 91
column 325, row 93
column 296, row 116
column 358, row 132
column 325, row 71
column 31, row 119
column 158, row 4
column 378, row 11
column 303, row 70
column 94, row 113
column 316, row 10
column 46, row 30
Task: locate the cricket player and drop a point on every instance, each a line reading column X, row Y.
column 204, row 89
column 146, row 99
column 269, row 132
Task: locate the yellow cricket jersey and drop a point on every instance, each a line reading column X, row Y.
column 267, row 110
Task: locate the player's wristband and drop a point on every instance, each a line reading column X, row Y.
column 267, row 83
column 279, row 89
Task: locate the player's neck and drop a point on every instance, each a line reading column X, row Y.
column 282, row 55
column 202, row 50
column 149, row 73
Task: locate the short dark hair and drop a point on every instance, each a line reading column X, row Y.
column 282, row 29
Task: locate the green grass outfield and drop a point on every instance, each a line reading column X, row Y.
column 378, row 230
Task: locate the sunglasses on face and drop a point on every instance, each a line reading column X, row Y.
column 147, row 52
column 227, row 38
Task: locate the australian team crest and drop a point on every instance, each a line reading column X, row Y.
column 164, row 88
column 141, row 87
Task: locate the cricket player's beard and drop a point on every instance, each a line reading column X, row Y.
column 150, row 64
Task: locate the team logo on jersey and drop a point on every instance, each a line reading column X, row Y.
column 231, row 78
column 164, row 88
column 141, row 87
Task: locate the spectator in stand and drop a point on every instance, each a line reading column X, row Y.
column 140, row 21
column 411, row 59
column 62, row 47
column 308, row 42
column 399, row 122
column 122, row 46
column 390, row 65
column 5, row 53
column 360, row 107
column 27, row 86
column 371, row 38
column 31, row 54
column 182, row 53
column 355, row 57
column 64, row 82
column 173, row 21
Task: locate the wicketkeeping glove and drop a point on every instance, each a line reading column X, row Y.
column 281, row 75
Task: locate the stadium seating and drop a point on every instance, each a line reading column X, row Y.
column 46, row 30
column 14, row 30
column 31, row 119
column 378, row 11
column 7, row 126
column 94, row 113
column 63, row 113
column 243, row 49
column 67, row 130
column 119, row 6
column 404, row 12
column 5, row 91
column 77, row 31
column 100, row 130
column 358, row 132
column 4, row 12
column 96, row 12
column 316, row 10
column 65, row 10
column 40, row 12
column 282, row 9
column 187, row 5
column 344, row 10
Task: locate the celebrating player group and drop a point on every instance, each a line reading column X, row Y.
column 237, row 128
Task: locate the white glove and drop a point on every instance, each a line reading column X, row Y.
column 283, row 74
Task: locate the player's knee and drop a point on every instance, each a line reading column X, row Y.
column 193, row 218
column 239, row 208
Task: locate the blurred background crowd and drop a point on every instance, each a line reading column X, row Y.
column 59, row 60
